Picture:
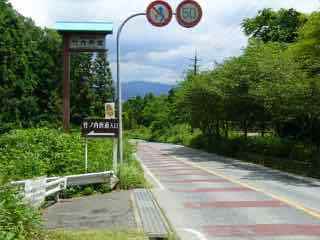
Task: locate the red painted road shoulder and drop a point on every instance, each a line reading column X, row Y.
column 208, row 190
column 182, row 181
column 235, row 204
column 263, row 230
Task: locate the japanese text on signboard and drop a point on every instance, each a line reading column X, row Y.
column 100, row 126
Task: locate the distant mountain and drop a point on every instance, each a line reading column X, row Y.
column 134, row 89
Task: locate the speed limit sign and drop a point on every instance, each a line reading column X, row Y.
column 189, row 13
column 159, row 13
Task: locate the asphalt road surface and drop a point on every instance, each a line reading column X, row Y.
column 101, row 211
column 206, row 196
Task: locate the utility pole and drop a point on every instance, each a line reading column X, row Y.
column 195, row 61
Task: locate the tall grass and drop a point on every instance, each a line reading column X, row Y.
column 17, row 220
column 48, row 152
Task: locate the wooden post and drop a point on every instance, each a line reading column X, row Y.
column 66, row 83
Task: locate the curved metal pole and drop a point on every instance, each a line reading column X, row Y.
column 119, row 94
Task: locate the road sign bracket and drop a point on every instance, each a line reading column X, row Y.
column 119, row 94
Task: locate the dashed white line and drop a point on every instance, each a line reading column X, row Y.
column 194, row 232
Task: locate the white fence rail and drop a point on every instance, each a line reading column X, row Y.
column 90, row 178
column 36, row 190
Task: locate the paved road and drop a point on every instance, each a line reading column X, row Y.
column 210, row 197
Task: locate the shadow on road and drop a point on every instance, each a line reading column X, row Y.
column 254, row 172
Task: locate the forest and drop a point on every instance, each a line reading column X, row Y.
column 31, row 76
column 32, row 143
column 262, row 106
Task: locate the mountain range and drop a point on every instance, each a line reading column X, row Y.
column 139, row 88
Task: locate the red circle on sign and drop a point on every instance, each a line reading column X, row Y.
column 180, row 18
column 166, row 20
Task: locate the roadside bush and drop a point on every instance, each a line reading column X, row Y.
column 30, row 153
column 48, row 152
column 17, row 220
column 142, row 133
column 78, row 191
column 131, row 176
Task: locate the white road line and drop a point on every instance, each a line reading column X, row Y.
column 194, row 232
column 150, row 174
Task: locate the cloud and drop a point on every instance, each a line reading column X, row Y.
column 146, row 50
column 150, row 73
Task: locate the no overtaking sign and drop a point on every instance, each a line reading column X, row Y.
column 159, row 13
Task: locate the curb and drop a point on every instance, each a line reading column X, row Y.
column 135, row 212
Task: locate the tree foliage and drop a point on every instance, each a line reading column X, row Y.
column 272, row 87
column 274, row 26
column 31, row 75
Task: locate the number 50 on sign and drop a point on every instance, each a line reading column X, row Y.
column 189, row 13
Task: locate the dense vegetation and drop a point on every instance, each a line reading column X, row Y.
column 47, row 152
column 31, row 75
column 263, row 106
column 17, row 221
column 31, row 144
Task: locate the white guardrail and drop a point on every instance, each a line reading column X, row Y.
column 36, row 190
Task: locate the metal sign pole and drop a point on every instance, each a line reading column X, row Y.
column 160, row 19
column 119, row 94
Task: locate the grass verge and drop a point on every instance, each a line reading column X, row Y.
column 95, row 235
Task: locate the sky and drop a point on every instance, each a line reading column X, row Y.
column 162, row 54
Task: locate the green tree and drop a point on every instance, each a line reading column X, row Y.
column 274, row 26
column 82, row 94
column 102, row 84
column 28, row 71
column 306, row 55
column 133, row 109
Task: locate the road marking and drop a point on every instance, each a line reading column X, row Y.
column 282, row 199
column 194, row 232
column 150, row 174
column 263, row 230
column 196, row 181
column 208, row 190
column 184, row 174
column 235, row 204
column 176, row 169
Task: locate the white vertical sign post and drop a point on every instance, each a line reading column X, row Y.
column 115, row 155
column 86, row 154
